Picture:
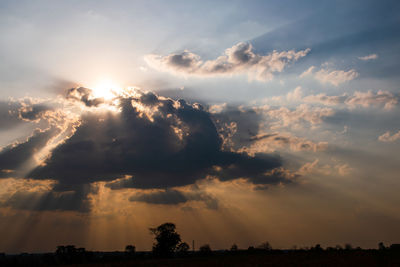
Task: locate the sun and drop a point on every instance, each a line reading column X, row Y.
column 106, row 89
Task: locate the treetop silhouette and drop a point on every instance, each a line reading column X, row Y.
column 167, row 240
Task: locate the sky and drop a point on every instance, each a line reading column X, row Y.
column 239, row 121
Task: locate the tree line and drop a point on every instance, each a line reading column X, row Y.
column 168, row 244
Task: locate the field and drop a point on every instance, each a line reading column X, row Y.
column 351, row 258
column 216, row 258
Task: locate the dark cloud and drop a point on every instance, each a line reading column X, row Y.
column 19, row 112
column 85, row 95
column 237, row 126
column 74, row 200
column 184, row 60
column 12, row 157
column 173, row 197
column 32, row 112
column 9, row 115
column 249, row 167
column 161, row 143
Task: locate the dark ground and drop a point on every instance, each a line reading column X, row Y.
column 239, row 258
column 290, row 259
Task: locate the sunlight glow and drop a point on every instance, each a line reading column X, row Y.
column 106, row 89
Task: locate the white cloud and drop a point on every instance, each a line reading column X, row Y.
column 325, row 99
column 367, row 99
column 239, row 59
column 308, row 167
column 358, row 99
column 266, row 143
column 334, row 77
column 315, row 167
column 343, row 169
column 368, row 57
column 217, row 108
column 309, row 71
column 387, row 137
column 295, row 95
column 286, row 117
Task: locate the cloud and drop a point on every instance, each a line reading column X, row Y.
column 174, row 197
column 84, row 95
column 155, row 142
column 343, row 169
column 267, row 143
column 236, row 125
column 304, row 113
column 218, row 108
column 334, row 77
column 314, row 167
column 41, row 113
column 31, row 110
column 368, row 57
column 308, row 167
column 367, row 99
column 9, row 115
column 239, row 59
column 76, row 200
column 295, row 95
column 255, row 130
column 387, row 137
column 325, row 99
column 13, row 156
column 358, row 99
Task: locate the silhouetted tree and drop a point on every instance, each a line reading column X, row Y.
column 338, row 247
column 348, row 246
column 130, row 249
column 265, row 246
column 60, row 250
column 182, row 249
column 167, row 239
column 70, row 249
column 70, row 254
column 317, row 248
column 234, row 248
column 205, row 249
